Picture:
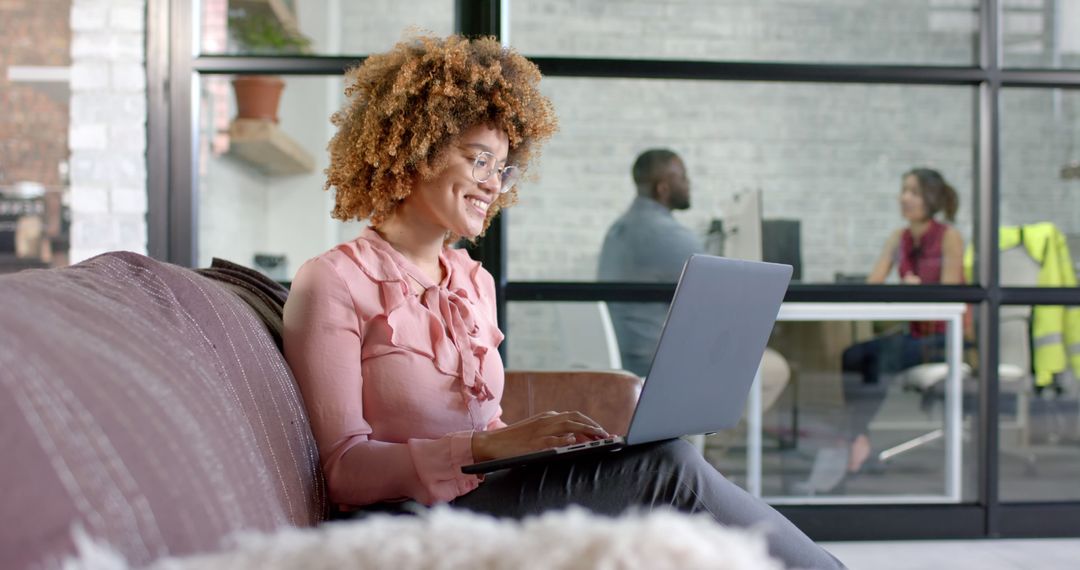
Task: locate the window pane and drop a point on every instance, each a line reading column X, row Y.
column 834, row 31
column 261, row 202
column 862, row 416
column 807, row 174
column 316, row 27
column 1040, row 170
column 561, row 336
column 1041, row 33
column 824, row 382
column 35, row 98
column 1039, row 431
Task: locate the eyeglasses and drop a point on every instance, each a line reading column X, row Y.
column 485, row 165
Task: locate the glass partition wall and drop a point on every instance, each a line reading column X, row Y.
column 886, row 410
column 1039, row 250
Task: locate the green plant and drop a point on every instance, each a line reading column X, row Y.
column 261, row 33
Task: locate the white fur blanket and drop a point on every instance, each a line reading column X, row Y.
column 446, row 539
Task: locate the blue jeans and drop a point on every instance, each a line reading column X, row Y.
column 868, row 367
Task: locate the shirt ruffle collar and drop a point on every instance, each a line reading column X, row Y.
column 458, row 344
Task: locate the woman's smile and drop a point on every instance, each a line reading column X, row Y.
column 479, row 205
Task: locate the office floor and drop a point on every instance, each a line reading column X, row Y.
column 1052, row 476
column 1026, row 554
column 1045, row 470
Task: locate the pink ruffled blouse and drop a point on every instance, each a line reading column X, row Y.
column 394, row 383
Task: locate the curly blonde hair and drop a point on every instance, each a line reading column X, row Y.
column 406, row 106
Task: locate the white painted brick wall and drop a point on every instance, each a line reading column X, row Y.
column 107, row 129
column 128, row 138
column 89, row 16
column 90, row 200
column 128, row 200
column 89, row 76
column 828, row 155
column 376, row 25
column 128, row 16
column 748, row 136
column 108, row 45
column 128, row 77
column 535, row 343
column 108, row 106
column 818, row 152
column 882, row 32
column 1040, row 134
column 88, row 136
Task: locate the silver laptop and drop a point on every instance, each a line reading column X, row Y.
column 709, row 350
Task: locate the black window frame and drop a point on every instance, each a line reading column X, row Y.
column 172, row 61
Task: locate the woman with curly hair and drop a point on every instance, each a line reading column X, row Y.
column 392, row 337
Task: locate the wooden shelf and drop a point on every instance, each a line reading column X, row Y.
column 268, row 148
column 53, row 80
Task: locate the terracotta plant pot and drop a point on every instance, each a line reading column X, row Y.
column 257, row 96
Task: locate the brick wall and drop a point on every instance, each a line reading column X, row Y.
column 107, row 132
column 734, row 136
column 1040, row 134
column 828, row 155
column 912, row 32
column 375, row 25
column 33, row 125
column 818, row 153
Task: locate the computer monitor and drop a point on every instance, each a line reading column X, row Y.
column 742, row 234
column 742, row 226
column 781, row 242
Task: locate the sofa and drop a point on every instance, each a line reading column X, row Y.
column 148, row 407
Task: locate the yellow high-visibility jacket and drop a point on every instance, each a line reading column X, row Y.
column 1055, row 329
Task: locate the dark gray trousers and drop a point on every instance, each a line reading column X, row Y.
column 671, row 473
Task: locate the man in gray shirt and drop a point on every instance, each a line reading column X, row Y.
column 646, row 244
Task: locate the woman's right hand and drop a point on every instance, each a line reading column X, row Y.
column 544, row 430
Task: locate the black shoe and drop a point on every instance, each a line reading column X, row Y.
column 872, row 466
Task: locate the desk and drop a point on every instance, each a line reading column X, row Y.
column 952, row 314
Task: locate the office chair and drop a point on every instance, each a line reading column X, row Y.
column 1018, row 269
column 587, row 337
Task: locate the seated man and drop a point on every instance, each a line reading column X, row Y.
column 647, row 244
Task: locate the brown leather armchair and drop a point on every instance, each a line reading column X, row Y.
column 607, row 396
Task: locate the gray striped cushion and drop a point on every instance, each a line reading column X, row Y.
column 149, row 405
